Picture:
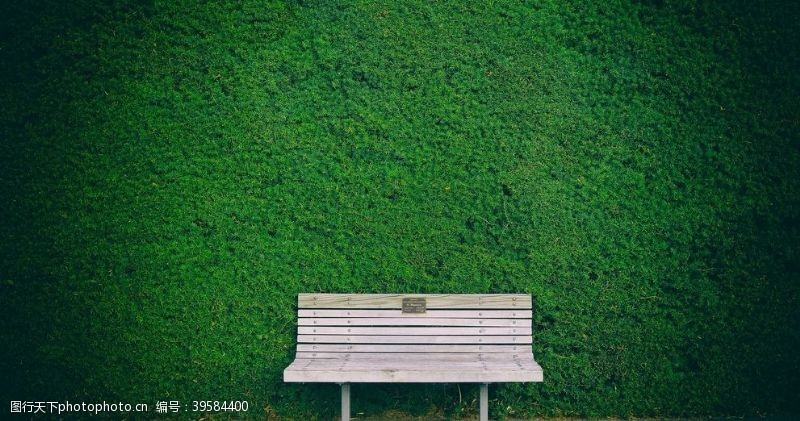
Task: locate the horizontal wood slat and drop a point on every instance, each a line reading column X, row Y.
column 429, row 348
column 433, row 301
column 410, row 321
column 387, row 339
column 421, row 331
column 389, row 357
column 441, row 375
column 457, row 314
column 420, row 365
column 345, row 365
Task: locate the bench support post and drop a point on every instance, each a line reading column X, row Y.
column 484, row 402
column 345, row 401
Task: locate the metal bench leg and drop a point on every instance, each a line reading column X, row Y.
column 485, row 402
column 345, row 401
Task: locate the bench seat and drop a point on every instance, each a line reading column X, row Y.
column 413, row 368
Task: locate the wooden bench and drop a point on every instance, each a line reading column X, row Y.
column 414, row 338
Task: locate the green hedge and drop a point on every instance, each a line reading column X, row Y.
column 173, row 174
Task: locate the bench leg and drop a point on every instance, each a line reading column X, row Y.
column 484, row 402
column 345, row 401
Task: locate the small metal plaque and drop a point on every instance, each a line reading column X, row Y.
column 413, row 305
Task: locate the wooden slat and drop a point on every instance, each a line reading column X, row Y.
column 390, row 357
column 423, row 366
column 410, row 321
column 433, row 301
column 441, row 375
column 463, row 348
column 399, row 331
column 413, row 365
column 457, row 314
column 374, row 339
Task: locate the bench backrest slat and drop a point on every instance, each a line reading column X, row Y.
column 375, row 323
column 414, row 348
column 410, row 321
column 455, row 314
column 434, row 301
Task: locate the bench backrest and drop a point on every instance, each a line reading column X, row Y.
column 474, row 323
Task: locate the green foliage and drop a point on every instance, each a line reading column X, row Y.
column 173, row 174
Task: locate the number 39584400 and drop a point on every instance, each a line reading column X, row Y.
column 219, row 406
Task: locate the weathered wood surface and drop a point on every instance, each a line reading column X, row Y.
column 449, row 374
column 344, row 364
column 410, row 321
column 460, row 338
column 417, row 356
column 457, row 314
column 449, row 348
column 375, row 339
column 418, row 364
column 433, row 301
column 416, row 331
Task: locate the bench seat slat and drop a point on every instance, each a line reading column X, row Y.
column 457, row 314
column 336, row 364
column 409, row 365
column 429, row 348
column 374, row 339
column 345, row 365
column 433, row 301
column 416, row 357
column 410, row 321
column 451, row 374
column 401, row 331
